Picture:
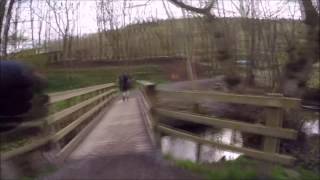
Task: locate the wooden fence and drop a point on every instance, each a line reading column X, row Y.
column 272, row 130
column 65, row 127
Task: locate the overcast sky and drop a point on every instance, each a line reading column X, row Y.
column 144, row 10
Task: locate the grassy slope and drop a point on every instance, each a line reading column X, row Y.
column 164, row 36
column 246, row 169
column 65, row 79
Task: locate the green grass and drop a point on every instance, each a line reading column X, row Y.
column 60, row 105
column 281, row 173
column 308, row 175
column 7, row 146
column 245, row 169
column 65, row 79
column 237, row 169
column 38, row 61
column 278, row 173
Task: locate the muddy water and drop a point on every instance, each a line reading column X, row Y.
column 187, row 150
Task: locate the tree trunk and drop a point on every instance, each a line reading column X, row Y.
column 6, row 28
column 298, row 70
column 250, row 79
column 2, row 12
column 31, row 22
column 65, row 47
column 16, row 23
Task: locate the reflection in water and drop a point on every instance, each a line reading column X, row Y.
column 311, row 127
column 179, row 148
column 187, row 150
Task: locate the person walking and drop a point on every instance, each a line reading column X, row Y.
column 124, row 86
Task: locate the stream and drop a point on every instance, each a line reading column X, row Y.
column 187, row 150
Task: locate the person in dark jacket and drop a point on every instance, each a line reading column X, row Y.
column 124, row 86
column 21, row 94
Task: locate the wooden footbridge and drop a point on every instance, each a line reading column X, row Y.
column 90, row 133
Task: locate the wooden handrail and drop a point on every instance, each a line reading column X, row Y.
column 55, row 137
column 198, row 96
column 61, row 93
column 272, row 129
column 75, row 93
column 25, row 149
column 231, row 124
column 62, row 133
column 68, row 148
column 53, row 117
column 271, row 157
column 145, row 83
column 62, row 114
column 145, row 107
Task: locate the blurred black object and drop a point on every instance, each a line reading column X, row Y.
column 20, row 88
column 311, row 99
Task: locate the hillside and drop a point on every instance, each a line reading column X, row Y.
column 262, row 45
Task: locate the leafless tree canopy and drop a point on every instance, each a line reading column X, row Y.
column 252, row 46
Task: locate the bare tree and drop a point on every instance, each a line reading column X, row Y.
column 32, row 22
column 224, row 39
column 108, row 24
column 6, row 27
column 304, row 55
column 2, row 13
column 168, row 12
column 14, row 35
column 205, row 10
column 100, row 24
column 297, row 71
column 64, row 13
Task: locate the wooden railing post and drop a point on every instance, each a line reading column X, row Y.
column 198, row 152
column 274, row 118
column 196, row 110
column 151, row 93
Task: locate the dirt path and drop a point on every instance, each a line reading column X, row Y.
column 119, row 148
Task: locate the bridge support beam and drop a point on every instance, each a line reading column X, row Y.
column 274, row 118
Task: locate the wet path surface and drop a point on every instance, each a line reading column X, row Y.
column 119, row 148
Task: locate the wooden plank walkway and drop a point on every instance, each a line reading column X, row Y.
column 121, row 131
column 119, row 148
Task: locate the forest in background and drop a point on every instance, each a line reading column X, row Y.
column 263, row 55
column 254, row 47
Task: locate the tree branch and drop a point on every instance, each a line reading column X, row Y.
column 204, row 11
